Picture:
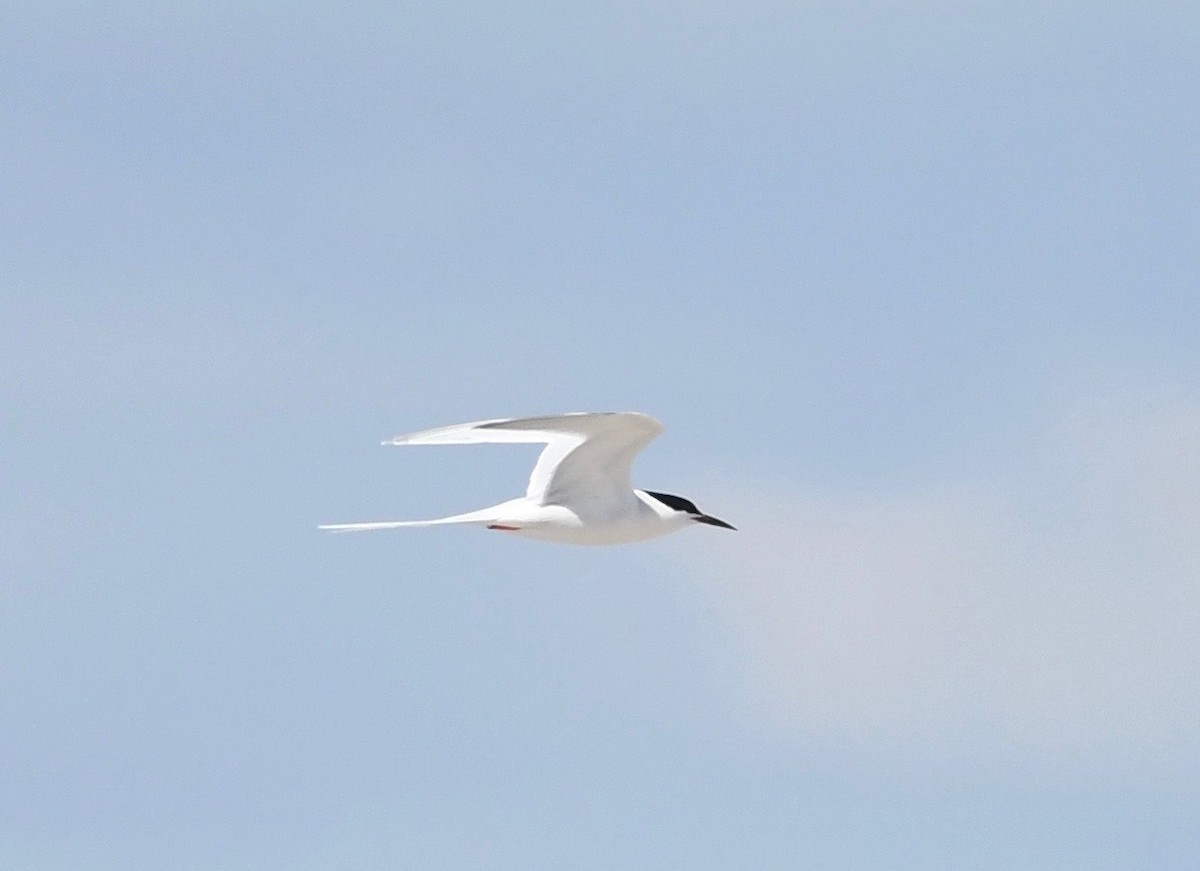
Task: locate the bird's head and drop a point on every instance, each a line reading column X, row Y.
column 677, row 505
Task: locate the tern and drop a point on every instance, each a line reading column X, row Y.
column 580, row 491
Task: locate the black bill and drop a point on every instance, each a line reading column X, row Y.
column 712, row 521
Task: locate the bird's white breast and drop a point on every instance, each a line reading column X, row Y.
column 632, row 522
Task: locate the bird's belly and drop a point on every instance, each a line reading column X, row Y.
column 567, row 527
column 615, row 534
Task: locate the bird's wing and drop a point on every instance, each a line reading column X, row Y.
column 587, row 456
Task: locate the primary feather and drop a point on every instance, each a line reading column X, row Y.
column 587, row 453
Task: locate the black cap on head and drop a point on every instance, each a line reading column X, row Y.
column 689, row 507
column 676, row 502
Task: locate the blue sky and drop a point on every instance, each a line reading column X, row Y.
column 911, row 285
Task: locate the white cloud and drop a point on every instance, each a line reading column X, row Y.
column 1047, row 612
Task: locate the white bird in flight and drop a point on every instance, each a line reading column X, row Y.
column 580, row 491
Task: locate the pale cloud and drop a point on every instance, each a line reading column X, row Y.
column 1045, row 612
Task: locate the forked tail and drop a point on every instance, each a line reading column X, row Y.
column 483, row 515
